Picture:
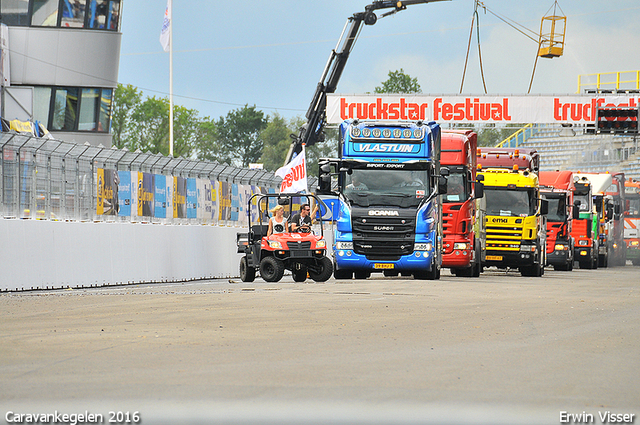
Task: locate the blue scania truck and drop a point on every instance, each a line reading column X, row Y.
column 388, row 181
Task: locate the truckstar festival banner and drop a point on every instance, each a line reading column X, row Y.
column 545, row 109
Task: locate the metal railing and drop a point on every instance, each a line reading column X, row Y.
column 629, row 80
column 517, row 138
column 50, row 179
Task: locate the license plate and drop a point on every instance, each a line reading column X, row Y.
column 494, row 257
column 383, row 266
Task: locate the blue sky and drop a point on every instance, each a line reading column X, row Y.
column 271, row 53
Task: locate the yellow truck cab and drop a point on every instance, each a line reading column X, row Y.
column 515, row 217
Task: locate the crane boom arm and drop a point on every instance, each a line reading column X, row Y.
column 312, row 131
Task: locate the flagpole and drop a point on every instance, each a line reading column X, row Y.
column 171, row 81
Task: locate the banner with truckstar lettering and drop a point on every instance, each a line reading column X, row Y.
column 536, row 109
column 294, row 175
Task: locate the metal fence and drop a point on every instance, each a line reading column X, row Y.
column 50, row 179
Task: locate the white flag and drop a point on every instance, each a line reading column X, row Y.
column 294, row 175
column 166, row 27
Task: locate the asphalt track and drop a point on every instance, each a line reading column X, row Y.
column 499, row 349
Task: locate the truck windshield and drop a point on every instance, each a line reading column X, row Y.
column 510, row 203
column 584, row 202
column 456, row 188
column 401, row 188
column 634, row 207
column 557, row 209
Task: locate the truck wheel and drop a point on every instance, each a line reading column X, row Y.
column 431, row 274
column 466, row 272
column 342, row 274
column 322, row 271
column 363, row 274
column 271, row 269
column 247, row 274
column 299, row 273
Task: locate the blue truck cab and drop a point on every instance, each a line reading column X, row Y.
column 388, row 181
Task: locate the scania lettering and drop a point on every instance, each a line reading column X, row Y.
column 389, row 216
column 463, row 246
column 515, row 212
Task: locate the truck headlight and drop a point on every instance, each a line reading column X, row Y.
column 344, row 245
column 275, row 245
column 583, row 242
column 635, row 243
column 423, row 246
column 460, row 245
column 527, row 248
column 561, row 247
column 321, row 243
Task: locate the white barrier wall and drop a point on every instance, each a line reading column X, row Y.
column 39, row 254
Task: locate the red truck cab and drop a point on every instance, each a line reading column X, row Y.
column 557, row 187
column 461, row 248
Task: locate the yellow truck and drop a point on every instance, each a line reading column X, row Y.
column 515, row 217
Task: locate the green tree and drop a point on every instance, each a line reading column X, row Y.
column 490, row 135
column 399, row 82
column 144, row 124
column 276, row 140
column 235, row 140
column 125, row 101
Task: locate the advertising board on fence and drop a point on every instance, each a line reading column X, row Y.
column 155, row 196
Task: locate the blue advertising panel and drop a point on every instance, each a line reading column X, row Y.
column 160, row 198
column 192, row 199
column 235, row 202
column 124, row 193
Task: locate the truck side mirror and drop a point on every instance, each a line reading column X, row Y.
column 544, row 207
column 598, row 201
column 480, row 178
column 444, row 171
column 442, row 185
column 609, row 212
column 479, row 190
column 575, row 210
column 324, row 180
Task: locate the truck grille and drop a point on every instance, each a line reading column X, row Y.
column 383, row 238
column 504, row 238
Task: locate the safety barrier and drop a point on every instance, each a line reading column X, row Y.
column 78, row 216
column 49, row 179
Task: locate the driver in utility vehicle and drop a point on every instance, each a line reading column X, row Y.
column 301, row 222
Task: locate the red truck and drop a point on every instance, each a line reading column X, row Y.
column 557, row 188
column 462, row 248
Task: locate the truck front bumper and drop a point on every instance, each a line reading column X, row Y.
column 458, row 258
column 582, row 252
column 513, row 259
column 418, row 260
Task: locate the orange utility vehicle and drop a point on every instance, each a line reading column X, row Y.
column 462, row 248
